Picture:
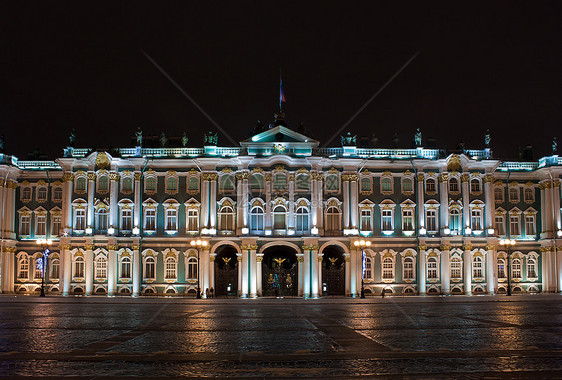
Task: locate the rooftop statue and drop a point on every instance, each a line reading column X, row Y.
column 418, row 138
column 487, row 139
column 2, row 143
column 163, row 140
column 138, row 133
column 554, row 146
column 184, row 140
column 349, row 140
column 211, row 138
column 72, row 138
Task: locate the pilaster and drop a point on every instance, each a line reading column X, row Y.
column 422, row 270
column 467, row 263
column 445, row 269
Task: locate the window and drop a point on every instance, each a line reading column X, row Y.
column 280, row 182
column 256, row 182
column 149, row 268
column 55, row 269
column 193, row 219
column 150, row 219
column 332, row 182
column 453, row 185
column 125, row 267
column 42, row 194
column 514, row 225
column 366, row 219
column 37, row 273
column 193, row 184
column 172, row 185
column 386, row 216
column 456, row 268
column 531, row 268
column 226, row 218
column 41, row 226
column 475, row 186
column 126, row 219
column 80, row 219
column 368, row 268
column 387, row 269
column 150, row 184
column 302, row 182
column 279, row 218
column 80, row 184
column 530, row 225
column 192, row 268
column 431, row 220
column 498, row 195
column 366, row 184
column 170, row 268
column 408, row 219
column 101, row 267
column 79, row 267
column 430, row 185
column 103, row 184
column 516, row 268
column 23, row 268
column 514, row 195
column 407, row 186
column 432, row 268
column 333, row 219
column 127, row 185
column 56, row 221
column 476, row 220
column 386, row 185
column 256, row 219
column 500, row 225
column 528, row 195
column 57, row 194
column 101, row 219
column 171, row 219
column 26, row 194
column 501, row 268
column 477, row 267
column 302, row 220
column 408, row 268
column 455, row 224
column 25, row 224
column 226, row 182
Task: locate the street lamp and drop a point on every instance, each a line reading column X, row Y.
column 508, row 243
column 362, row 244
column 199, row 244
column 42, row 265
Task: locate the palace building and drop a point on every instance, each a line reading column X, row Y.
column 280, row 216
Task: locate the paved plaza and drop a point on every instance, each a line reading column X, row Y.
column 466, row 337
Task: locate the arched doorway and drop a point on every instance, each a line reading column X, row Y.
column 333, row 271
column 279, row 272
column 226, row 271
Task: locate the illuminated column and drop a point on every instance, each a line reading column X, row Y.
column 490, row 202
column 314, row 277
column 213, row 201
column 353, row 201
column 240, row 277
column 320, row 207
column 354, row 270
column 240, row 204
column 245, row 199
column 467, row 262
column 113, row 209
column 268, row 219
column 543, row 210
column 8, row 269
column 544, row 268
column 212, row 257
column 291, row 213
column 556, row 205
column 136, row 270
column 205, row 200
column 421, row 270
column 306, row 249
column 444, row 200
column 138, row 200
column 314, row 200
column 465, row 201
column 67, row 202
column 347, row 269
column 320, row 287
column 345, row 184
column 205, row 273
column 253, row 271
column 67, row 268
column 246, row 263
column 548, row 207
column 420, row 200
column 111, row 269
column 445, row 270
column 89, row 266
column 259, row 271
column 91, row 188
column 10, row 210
column 300, row 263
column 491, row 278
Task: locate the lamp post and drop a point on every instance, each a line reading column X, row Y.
column 44, row 243
column 362, row 243
column 199, row 244
column 508, row 243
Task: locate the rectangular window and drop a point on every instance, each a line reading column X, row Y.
column 171, row 220
column 477, row 268
column 366, row 220
column 500, row 226
column 407, row 220
column 430, row 186
column 407, row 186
column 80, row 219
column 56, row 227
column 302, row 182
column 150, row 219
column 386, row 185
column 280, row 182
column 126, row 268
column 193, row 184
column 498, row 195
column 456, row 267
column 387, row 220
column 531, row 268
column 332, row 182
column 387, row 269
column 431, row 220
column 530, row 225
column 514, row 225
column 150, row 184
column 514, row 194
column 476, row 220
column 432, row 268
column 408, row 269
column 501, row 269
column 102, row 220
column 368, row 268
column 192, row 220
column 366, row 184
column 25, row 225
column 41, row 229
column 455, row 221
column 516, row 268
column 126, row 219
column 57, row 194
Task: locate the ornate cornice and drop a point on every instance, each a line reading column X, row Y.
column 465, row 178
column 467, row 247
column 488, row 178
column 114, row 176
column 112, row 247
column 422, row 247
column 91, row 176
column 67, row 177
column 445, row 247
column 490, row 247
column 137, row 176
column 210, row 176
column 89, row 247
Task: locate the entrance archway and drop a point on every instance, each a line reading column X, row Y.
column 226, row 271
column 279, row 272
column 333, row 271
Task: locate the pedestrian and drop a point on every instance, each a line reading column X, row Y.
column 212, row 292
column 382, row 294
column 207, row 293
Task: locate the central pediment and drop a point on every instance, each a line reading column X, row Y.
column 279, row 140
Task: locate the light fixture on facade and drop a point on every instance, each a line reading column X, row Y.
column 245, row 230
column 314, row 231
column 362, row 243
column 110, row 231
column 423, row 231
column 89, row 230
column 290, row 232
column 559, row 233
column 467, row 230
column 447, row 231
column 491, row 231
column 136, row 231
column 267, row 232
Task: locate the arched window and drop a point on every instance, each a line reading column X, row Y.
column 333, row 219
column 193, row 184
column 81, row 184
column 279, row 218
column 79, row 219
column 432, row 268
column 23, row 267
column 474, row 185
column 226, row 218
column 302, row 220
column 455, row 224
column 501, row 268
column 476, row 219
column 332, row 182
column 127, row 185
column 172, row 184
column 531, row 268
column 368, row 268
column 453, row 185
column 150, row 184
column 57, row 194
column 38, row 274
column 150, row 268
column 430, row 185
column 26, row 194
column 126, row 267
column 386, row 184
column 226, row 182
column 387, row 269
column 477, row 267
column 280, row 182
column 170, row 268
column 366, row 184
column 408, row 268
column 256, row 219
column 101, row 219
column 516, row 268
column 103, row 183
column 192, row 268
column 79, row 267
column 407, row 185
column 514, row 195
column 456, row 268
column 498, row 195
column 528, row 195
column 302, row 181
column 256, row 182
column 54, row 269
column 101, row 267
column 42, row 194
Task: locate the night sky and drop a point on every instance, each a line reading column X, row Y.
column 480, row 66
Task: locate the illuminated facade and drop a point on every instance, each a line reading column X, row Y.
column 280, row 216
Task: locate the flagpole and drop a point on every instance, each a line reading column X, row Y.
column 280, row 92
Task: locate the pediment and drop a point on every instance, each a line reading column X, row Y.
column 279, row 134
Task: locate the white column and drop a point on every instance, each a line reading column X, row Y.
column 445, row 270
column 444, row 200
column 467, row 263
column 245, row 271
column 89, row 266
column 66, row 269
column 353, row 201
column 268, row 218
column 204, row 271
column 291, row 213
column 421, row 270
column 544, row 268
column 345, row 184
column 113, row 210
column 320, row 207
column 91, row 189
column 245, row 199
column 137, row 262
column 556, row 206
column 490, row 201
column 254, row 272
column 314, row 200
column 465, row 201
column 213, row 202
column 212, row 271
column 10, row 209
column 67, row 202
column 314, row 273
column 347, row 268
column 306, row 270
column 240, row 277
column 7, row 269
column 320, row 259
column 355, row 270
column 240, row 204
column 420, row 200
column 112, row 270
column 490, row 269
column 259, row 274
column 544, row 211
column 138, row 200
column 205, row 201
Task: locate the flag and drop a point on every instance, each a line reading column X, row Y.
column 281, row 94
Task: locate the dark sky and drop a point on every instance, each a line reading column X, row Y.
column 481, row 66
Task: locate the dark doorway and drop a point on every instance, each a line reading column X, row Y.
column 333, row 271
column 279, row 272
column 226, row 271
